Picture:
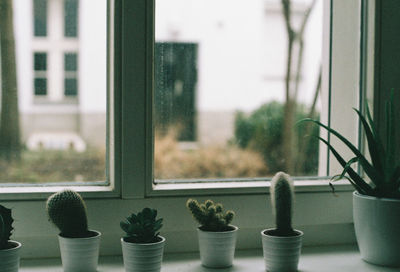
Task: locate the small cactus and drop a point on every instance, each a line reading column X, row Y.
column 282, row 196
column 67, row 210
column 6, row 228
column 210, row 215
column 143, row 227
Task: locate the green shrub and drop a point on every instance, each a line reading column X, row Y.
column 262, row 131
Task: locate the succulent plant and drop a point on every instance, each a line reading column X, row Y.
column 6, row 228
column 142, row 227
column 67, row 210
column 282, row 197
column 384, row 169
column 210, row 215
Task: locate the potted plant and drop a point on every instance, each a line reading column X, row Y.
column 217, row 238
column 376, row 201
column 9, row 250
column 142, row 247
column 79, row 246
column 282, row 245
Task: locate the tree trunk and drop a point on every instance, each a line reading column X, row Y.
column 10, row 146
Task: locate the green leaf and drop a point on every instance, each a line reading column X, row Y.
column 373, row 146
column 361, row 186
column 368, row 168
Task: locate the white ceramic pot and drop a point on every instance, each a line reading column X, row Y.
column 143, row 257
column 377, row 226
column 80, row 254
column 217, row 249
column 9, row 258
column 281, row 254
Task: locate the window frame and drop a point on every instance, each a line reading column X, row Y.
column 130, row 154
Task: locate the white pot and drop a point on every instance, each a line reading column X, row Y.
column 377, row 226
column 80, row 254
column 217, row 249
column 281, row 254
column 9, row 258
column 143, row 257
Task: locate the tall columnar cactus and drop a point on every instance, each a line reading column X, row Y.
column 6, row 228
column 282, row 196
column 210, row 215
column 67, row 210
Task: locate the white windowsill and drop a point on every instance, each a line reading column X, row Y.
column 322, row 259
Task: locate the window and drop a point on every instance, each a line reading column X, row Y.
column 40, row 18
column 71, row 74
column 131, row 155
column 40, row 68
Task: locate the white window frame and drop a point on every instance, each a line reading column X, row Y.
column 324, row 217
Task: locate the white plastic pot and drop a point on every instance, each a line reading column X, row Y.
column 217, row 249
column 80, row 254
column 9, row 258
column 143, row 257
column 281, row 254
column 377, row 227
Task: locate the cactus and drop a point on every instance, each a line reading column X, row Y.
column 282, row 196
column 210, row 215
column 67, row 210
column 143, row 227
column 6, row 228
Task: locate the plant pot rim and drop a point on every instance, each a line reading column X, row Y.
column 235, row 228
column 145, row 244
column 388, row 199
column 300, row 234
column 16, row 245
column 98, row 233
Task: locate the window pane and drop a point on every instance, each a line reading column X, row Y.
column 47, row 133
column 71, row 18
column 70, row 62
column 40, row 61
column 226, row 103
column 71, row 87
column 40, row 86
column 40, row 17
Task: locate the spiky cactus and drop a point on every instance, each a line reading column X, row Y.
column 282, row 197
column 67, row 210
column 143, row 227
column 6, row 228
column 210, row 215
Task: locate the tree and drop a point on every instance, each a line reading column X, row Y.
column 10, row 145
column 295, row 40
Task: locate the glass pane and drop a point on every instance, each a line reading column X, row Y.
column 40, row 17
column 70, row 62
column 71, row 18
column 51, row 131
column 40, row 86
column 226, row 103
column 40, row 61
column 71, row 87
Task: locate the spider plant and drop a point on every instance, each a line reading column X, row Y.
column 383, row 170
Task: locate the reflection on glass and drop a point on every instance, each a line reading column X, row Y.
column 226, row 102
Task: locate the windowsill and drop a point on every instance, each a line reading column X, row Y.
column 327, row 258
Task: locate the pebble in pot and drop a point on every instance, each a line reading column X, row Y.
column 217, row 238
column 9, row 250
column 79, row 246
column 282, row 245
column 142, row 247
